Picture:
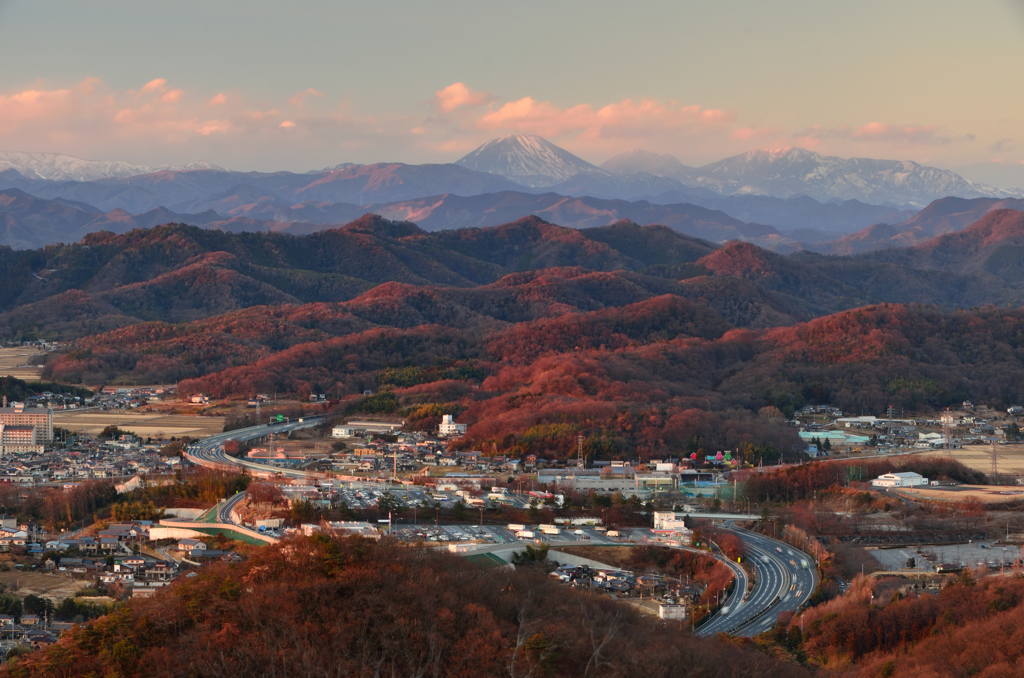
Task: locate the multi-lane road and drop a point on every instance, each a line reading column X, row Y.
column 210, row 451
column 784, row 579
column 224, row 510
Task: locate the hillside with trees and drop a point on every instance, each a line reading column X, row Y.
column 358, row 608
column 178, row 273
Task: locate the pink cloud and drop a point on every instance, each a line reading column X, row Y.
column 299, row 100
column 627, row 118
column 459, row 94
column 904, row 134
column 749, row 133
column 154, row 85
column 880, row 132
column 94, row 120
column 92, row 114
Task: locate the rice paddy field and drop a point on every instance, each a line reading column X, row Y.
column 142, row 424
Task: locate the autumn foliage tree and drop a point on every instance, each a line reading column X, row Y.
column 358, row 608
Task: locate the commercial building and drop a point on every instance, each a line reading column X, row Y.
column 674, row 523
column 834, row 437
column 354, row 426
column 903, row 479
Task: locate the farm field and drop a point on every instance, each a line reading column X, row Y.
column 146, row 425
column 55, row 586
column 979, row 457
column 987, row 494
column 14, row 363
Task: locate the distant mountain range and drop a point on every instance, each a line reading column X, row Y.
column 56, row 167
column 795, row 172
column 782, row 200
column 181, row 273
column 28, row 222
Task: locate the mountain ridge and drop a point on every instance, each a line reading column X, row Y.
column 59, row 167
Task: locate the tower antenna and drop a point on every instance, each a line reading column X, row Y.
column 947, row 429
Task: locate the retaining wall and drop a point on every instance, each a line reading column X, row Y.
column 157, row 533
column 184, row 512
column 224, row 526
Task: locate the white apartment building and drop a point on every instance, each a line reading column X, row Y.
column 449, row 428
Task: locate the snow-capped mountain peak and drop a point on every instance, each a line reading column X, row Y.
column 792, row 172
column 57, row 167
column 527, row 159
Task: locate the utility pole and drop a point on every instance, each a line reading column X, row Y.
column 581, row 462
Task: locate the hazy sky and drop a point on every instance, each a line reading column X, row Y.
column 301, row 85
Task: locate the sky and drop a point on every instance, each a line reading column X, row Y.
column 305, row 84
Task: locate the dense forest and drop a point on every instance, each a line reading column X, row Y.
column 968, row 628
column 666, row 373
column 317, row 607
column 180, row 273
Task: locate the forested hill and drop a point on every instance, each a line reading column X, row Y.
column 641, row 339
column 181, row 273
column 358, row 608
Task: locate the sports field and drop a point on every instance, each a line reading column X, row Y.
column 145, row 425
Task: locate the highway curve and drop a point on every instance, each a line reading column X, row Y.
column 780, row 584
column 210, row 451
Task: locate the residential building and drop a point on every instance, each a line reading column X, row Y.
column 19, row 439
column 41, row 418
column 449, row 428
column 191, row 545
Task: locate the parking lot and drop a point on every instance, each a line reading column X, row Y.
column 496, row 534
column 967, row 555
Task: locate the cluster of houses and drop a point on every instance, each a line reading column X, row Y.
column 130, row 398
column 84, row 458
column 368, row 453
column 824, row 428
column 31, row 630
